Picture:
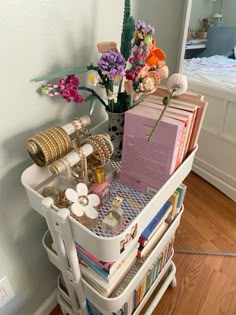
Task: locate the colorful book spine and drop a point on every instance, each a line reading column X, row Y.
column 156, row 220
column 182, row 191
column 174, row 200
column 106, row 266
column 148, row 281
column 157, row 233
column 145, row 250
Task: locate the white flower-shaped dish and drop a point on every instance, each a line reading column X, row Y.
column 83, row 204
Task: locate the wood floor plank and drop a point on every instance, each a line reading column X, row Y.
column 203, row 287
column 209, row 219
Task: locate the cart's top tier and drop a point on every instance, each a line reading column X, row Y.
column 138, row 208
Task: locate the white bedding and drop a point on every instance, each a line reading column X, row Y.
column 216, row 71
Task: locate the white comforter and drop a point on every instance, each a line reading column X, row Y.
column 215, row 71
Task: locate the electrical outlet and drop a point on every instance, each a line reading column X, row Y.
column 6, row 291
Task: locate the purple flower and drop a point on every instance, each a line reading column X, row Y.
column 141, row 25
column 150, row 29
column 112, row 63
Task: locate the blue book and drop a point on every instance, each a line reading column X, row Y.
column 156, row 220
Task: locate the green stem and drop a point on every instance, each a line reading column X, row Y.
column 84, row 88
column 159, row 119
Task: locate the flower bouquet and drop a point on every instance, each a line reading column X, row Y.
column 126, row 76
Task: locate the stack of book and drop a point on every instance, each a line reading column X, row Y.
column 177, row 199
column 105, row 276
column 154, row 230
column 174, row 139
column 147, row 281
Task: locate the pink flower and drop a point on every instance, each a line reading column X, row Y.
column 74, row 81
column 66, row 93
column 140, row 57
column 138, row 69
column 78, row 99
column 73, row 93
column 69, row 86
column 62, row 82
column 130, row 75
column 131, row 60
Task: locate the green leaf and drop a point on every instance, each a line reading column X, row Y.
column 63, row 73
column 126, row 37
column 92, row 105
column 88, row 98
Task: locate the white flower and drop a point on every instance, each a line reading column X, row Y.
column 82, row 202
column 177, row 83
column 93, row 78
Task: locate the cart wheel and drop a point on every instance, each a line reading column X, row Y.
column 173, row 283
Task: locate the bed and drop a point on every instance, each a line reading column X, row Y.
column 213, row 74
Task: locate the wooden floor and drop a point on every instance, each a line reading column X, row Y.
column 206, row 285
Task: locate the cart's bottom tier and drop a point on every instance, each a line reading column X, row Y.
column 142, row 275
column 135, row 301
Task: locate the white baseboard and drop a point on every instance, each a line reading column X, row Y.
column 48, row 305
column 222, row 185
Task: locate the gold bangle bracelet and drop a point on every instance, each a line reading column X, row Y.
column 61, row 148
column 52, row 147
column 41, row 157
column 65, row 137
column 45, row 146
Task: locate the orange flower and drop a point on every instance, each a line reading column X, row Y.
column 156, row 56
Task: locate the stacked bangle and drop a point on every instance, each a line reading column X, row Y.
column 48, row 146
column 102, row 146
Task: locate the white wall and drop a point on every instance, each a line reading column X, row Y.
column 167, row 18
column 228, row 11
column 38, row 37
column 200, row 9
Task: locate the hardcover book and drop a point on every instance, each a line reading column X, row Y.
column 160, row 216
column 201, row 107
column 103, row 286
column 155, row 160
column 157, row 233
column 104, row 269
column 179, row 114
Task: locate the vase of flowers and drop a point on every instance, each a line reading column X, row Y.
column 126, row 76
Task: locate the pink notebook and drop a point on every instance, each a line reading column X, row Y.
column 147, row 165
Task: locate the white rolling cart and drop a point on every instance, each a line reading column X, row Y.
column 64, row 231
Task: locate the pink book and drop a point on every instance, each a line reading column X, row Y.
column 178, row 114
column 162, row 91
column 154, row 161
column 201, row 107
